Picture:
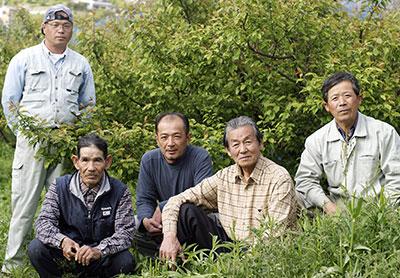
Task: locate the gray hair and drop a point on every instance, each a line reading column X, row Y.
column 239, row 122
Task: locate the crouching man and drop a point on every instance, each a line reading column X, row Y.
column 86, row 223
column 245, row 194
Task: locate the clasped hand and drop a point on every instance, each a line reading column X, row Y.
column 153, row 225
column 83, row 255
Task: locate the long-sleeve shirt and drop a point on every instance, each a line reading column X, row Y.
column 159, row 180
column 48, row 228
column 53, row 87
column 360, row 167
column 268, row 195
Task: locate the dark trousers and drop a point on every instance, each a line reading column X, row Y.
column 196, row 227
column 147, row 244
column 50, row 262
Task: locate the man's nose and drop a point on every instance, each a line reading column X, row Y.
column 91, row 165
column 342, row 100
column 170, row 141
column 242, row 148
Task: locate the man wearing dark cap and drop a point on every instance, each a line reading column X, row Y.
column 51, row 82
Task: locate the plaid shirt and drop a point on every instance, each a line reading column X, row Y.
column 242, row 206
column 89, row 194
column 47, row 225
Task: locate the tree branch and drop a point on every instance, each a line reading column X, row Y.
column 270, row 56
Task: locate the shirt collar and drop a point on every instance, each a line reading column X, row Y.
column 75, row 185
column 48, row 52
column 255, row 176
column 351, row 133
column 84, row 188
column 358, row 129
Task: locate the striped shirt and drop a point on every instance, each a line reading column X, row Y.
column 267, row 195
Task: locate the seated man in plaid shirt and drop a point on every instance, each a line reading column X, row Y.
column 86, row 223
column 245, row 194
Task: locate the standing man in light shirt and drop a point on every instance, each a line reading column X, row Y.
column 359, row 155
column 246, row 194
column 51, row 82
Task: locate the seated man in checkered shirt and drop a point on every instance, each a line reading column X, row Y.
column 245, row 194
column 86, row 223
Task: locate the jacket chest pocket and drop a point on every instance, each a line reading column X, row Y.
column 368, row 168
column 104, row 223
column 73, row 81
column 36, row 81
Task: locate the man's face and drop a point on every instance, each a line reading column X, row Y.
column 243, row 147
column 343, row 103
column 172, row 138
column 57, row 33
column 91, row 165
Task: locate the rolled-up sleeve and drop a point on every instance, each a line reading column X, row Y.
column 204, row 194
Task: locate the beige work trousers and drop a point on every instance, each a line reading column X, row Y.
column 29, row 175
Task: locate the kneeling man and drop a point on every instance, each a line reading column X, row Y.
column 245, row 194
column 86, row 223
column 358, row 155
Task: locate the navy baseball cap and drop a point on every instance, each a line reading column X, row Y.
column 53, row 13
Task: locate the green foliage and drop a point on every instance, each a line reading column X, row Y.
column 215, row 60
column 362, row 241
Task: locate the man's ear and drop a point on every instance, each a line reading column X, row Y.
column 228, row 152
column 75, row 161
column 189, row 137
column 360, row 97
column 325, row 104
column 42, row 28
column 108, row 161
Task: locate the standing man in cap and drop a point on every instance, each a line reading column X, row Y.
column 51, row 82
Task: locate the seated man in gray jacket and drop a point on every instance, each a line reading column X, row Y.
column 359, row 155
column 86, row 223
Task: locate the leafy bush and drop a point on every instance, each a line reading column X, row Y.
column 215, row 60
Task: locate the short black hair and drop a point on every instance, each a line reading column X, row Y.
column 175, row 114
column 335, row 79
column 92, row 139
column 239, row 122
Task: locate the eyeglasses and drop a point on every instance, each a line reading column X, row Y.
column 65, row 26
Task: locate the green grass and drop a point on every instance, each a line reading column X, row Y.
column 363, row 241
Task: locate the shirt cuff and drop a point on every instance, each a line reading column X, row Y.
column 58, row 239
column 103, row 249
column 320, row 201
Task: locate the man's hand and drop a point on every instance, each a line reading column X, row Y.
column 330, row 208
column 87, row 254
column 69, row 248
column 153, row 224
column 170, row 247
